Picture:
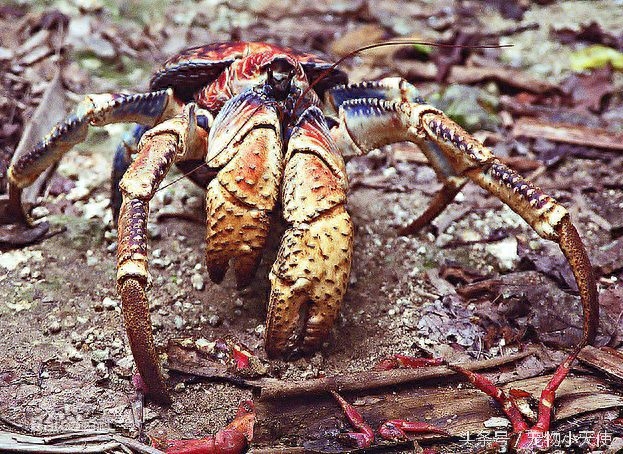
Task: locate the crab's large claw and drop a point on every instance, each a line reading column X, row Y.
column 376, row 114
column 245, row 143
column 310, row 275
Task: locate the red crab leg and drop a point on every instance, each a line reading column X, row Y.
column 508, row 406
column 398, row 360
column 535, row 437
column 365, row 435
column 232, row 439
column 397, row 429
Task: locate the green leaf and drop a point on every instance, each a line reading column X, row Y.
column 596, row 56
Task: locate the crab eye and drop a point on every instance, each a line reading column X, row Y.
column 280, row 73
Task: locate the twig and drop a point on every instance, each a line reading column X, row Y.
column 574, row 134
column 359, row 381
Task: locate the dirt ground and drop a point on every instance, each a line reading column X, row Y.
column 66, row 362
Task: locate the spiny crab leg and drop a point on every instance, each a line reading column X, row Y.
column 94, row 110
column 392, row 112
column 233, row 439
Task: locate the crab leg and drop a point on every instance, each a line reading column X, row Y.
column 399, row 90
column 366, row 124
column 158, row 149
column 121, row 162
column 310, row 275
column 95, row 110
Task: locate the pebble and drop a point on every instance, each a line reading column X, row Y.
column 179, row 322
column 197, row 281
column 110, row 304
column 101, row 370
column 54, row 327
column 25, row 272
column 496, row 422
column 74, row 355
column 100, row 355
column 153, row 231
column 39, row 212
column 505, row 252
column 214, row 320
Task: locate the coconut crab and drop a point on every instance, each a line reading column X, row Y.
column 244, row 121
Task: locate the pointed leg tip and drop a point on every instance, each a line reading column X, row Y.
column 21, row 234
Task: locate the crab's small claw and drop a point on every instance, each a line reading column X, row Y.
column 16, row 229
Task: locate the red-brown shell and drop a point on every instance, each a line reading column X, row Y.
column 194, row 68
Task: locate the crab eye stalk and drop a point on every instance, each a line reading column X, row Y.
column 280, row 73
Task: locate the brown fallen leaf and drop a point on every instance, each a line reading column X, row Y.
column 588, row 90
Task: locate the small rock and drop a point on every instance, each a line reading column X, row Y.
column 505, row 252
column 179, row 387
column 197, row 281
column 101, row 370
column 179, row 322
column 239, row 302
column 25, row 272
column 496, row 422
column 74, row 355
column 6, row 54
column 100, row 355
column 54, row 327
column 39, row 212
column 214, row 320
column 153, row 231
column 110, row 304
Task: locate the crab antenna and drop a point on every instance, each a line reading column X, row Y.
column 398, row 42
